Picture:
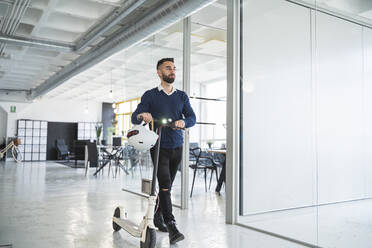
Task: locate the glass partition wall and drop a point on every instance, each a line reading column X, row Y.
column 207, row 89
column 208, row 93
column 139, row 70
column 305, row 166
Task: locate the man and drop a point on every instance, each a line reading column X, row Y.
column 165, row 101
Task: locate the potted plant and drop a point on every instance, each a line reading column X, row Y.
column 210, row 143
column 98, row 133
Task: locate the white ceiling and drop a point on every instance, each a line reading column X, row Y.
column 128, row 73
column 57, row 20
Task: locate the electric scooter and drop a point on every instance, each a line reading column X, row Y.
column 146, row 229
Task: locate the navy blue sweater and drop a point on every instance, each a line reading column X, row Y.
column 160, row 105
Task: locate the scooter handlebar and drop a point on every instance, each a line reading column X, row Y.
column 168, row 123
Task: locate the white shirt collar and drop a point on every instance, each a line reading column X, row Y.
column 160, row 88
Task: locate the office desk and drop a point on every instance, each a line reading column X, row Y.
column 222, row 177
column 108, row 153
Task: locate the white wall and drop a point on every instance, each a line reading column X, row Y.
column 52, row 110
column 3, row 124
column 307, row 125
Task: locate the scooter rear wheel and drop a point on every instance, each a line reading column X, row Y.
column 150, row 239
column 115, row 226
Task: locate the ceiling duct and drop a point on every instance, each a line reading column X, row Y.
column 165, row 15
column 31, row 42
column 113, row 19
column 12, row 18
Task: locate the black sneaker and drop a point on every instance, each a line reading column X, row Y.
column 174, row 234
column 159, row 222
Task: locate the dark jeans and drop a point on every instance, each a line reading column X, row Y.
column 169, row 160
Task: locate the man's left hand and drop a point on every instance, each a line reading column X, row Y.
column 180, row 124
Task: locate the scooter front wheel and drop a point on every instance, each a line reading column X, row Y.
column 150, row 239
column 115, row 226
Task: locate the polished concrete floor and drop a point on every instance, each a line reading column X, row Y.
column 339, row 225
column 132, row 182
column 51, row 205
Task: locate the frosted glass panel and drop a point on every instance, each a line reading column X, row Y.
column 277, row 107
column 278, row 165
column 340, row 92
column 368, row 109
column 307, row 123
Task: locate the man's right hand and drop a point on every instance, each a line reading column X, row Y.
column 146, row 117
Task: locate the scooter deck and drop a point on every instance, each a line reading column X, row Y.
column 129, row 226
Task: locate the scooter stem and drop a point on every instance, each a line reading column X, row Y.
column 155, row 170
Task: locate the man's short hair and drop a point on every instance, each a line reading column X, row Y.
column 160, row 62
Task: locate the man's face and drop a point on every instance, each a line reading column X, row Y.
column 167, row 72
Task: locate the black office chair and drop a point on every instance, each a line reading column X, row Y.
column 62, row 149
column 193, row 145
column 201, row 161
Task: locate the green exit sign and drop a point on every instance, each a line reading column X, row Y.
column 13, row 109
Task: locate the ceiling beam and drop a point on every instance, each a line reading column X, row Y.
column 37, row 43
column 9, row 95
column 164, row 16
column 113, row 19
column 9, row 2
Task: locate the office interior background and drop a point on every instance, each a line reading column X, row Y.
column 282, row 85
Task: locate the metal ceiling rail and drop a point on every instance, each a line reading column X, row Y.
column 22, row 11
column 165, row 15
column 49, row 45
column 13, row 19
column 9, row 2
column 113, row 19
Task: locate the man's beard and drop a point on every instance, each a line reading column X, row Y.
column 168, row 79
